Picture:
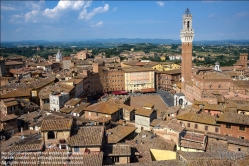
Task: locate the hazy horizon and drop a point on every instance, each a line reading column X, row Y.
column 92, row 20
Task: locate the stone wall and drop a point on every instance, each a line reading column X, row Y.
column 201, row 127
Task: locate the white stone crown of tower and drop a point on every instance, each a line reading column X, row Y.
column 187, row 33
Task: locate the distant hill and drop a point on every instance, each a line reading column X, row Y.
column 112, row 42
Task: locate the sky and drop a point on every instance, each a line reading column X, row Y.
column 84, row 20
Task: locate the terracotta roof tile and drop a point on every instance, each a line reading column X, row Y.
column 196, row 102
column 41, row 82
column 137, row 69
column 44, row 93
column 26, row 159
column 88, row 136
column 192, row 145
column 126, row 107
column 244, row 107
column 196, row 107
column 215, row 76
column 13, row 63
column 171, row 72
column 58, row 157
column 150, row 105
column 215, row 135
column 173, row 109
column 20, row 92
column 8, row 117
column 235, row 118
column 155, row 122
column 207, row 156
column 102, row 119
column 118, row 133
column 175, row 126
column 56, row 124
column 92, row 159
column 106, row 107
column 117, row 150
column 66, row 110
column 12, row 103
column 73, row 102
column 238, row 141
column 34, row 145
column 199, row 118
column 213, row 107
column 143, row 112
column 156, row 163
column 80, row 108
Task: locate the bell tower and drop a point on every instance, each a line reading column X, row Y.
column 187, row 35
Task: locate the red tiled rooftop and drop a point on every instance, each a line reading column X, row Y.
column 56, row 124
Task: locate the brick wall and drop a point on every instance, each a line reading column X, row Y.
column 234, row 131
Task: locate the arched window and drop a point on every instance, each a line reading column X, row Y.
column 210, row 86
column 180, row 101
column 188, row 24
column 51, row 135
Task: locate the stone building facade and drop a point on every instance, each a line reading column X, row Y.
column 57, row 100
column 82, row 54
column 199, row 122
column 13, row 65
column 138, row 78
column 167, row 80
column 66, row 63
column 242, row 62
column 234, row 125
column 112, row 80
column 143, row 118
column 56, row 132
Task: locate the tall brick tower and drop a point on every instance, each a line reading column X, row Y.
column 187, row 35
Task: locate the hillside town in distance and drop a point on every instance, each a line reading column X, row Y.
column 90, row 110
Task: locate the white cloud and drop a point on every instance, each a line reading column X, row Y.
column 31, row 15
column 85, row 15
column 99, row 24
column 36, row 11
column 64, row 5
column 18, row 30
column 77, row 5
column 114, row 9
column 35, row 5
column 205, row 1
column 160, row 3
column 16, row 18
column 7, row 8
column 212, row 15
column 242, row 14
